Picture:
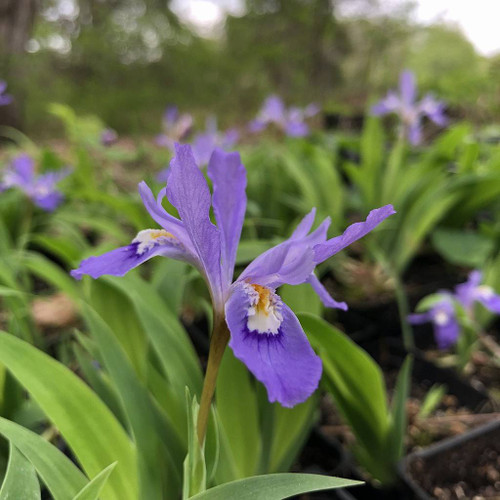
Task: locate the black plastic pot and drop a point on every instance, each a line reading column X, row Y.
column 466, row 453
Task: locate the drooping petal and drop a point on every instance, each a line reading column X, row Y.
column 419, row 318
column 486, row 296
column 256, row 126
column 284, row 360
column 446, row 334
column 188, row 191
column 229, row 201
column 354, row 232
column 389, row 104
column 408, row 87
column 414, row 131
column 48, row 202
column 323, row 294
column 147, row 244
column 434, row 110
column 296, row 129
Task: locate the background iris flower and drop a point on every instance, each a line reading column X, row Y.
column 404, row 103
column 472, row 291
column 5, row 99
column 444, row 319
column 108, row 137
column 176, row 127
column 291, row 121
column 264, row 332
column 42, row 189
column 443, row 313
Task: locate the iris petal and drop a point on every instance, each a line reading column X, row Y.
column 284, row 362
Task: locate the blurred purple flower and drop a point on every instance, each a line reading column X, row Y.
column 472, row 291
column 108, row 137
column 176, row 127
column 5, row 99
column 265, row 333
column 291, row 121
column 40, row 188
column 411, row 111
column 444, row 319
column 205, row 143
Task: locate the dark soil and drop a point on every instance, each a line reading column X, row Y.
column 469, row 471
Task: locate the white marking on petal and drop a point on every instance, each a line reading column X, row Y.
column 264, row 311
column 148, row 238
column 441, row 318
column 485, row 291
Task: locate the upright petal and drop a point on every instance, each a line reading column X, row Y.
column 24, row 167
column 408, row 87
column 275, row 350
column 229, row 201
column 354, row 232
column 304, row 225
column 273, row 110
column 290, row 262
column 188, row 191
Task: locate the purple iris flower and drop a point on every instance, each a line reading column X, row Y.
column 5, row 99
column 472, row 291
column 176, row 127
column 444, row 319
column 291, row 121
column 410, row 110
column 265, row 333
column 40, row 188
column 108, row 137
column 205, row 143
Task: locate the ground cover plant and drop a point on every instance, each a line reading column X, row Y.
column 260, row 306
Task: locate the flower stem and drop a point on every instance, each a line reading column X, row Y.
column 218, row 343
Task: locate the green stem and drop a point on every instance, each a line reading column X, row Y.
column 218, row 343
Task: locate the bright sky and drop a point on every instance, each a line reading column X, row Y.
column 478, row 19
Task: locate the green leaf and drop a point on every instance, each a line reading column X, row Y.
column 87, row 425
column 249, row 249
column 237, row 403
column 301, row 298
column 463, row 248
column 432, row 400
column 51, row 273
column 274, row 487
column 159, row 448
column 290, row 431
column 398, row 413
column 20, row 479
column 355, row 382
column 92, row 490
column 57, row 471
column 195, row 470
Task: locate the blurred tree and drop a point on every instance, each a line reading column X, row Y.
column 16, row 23
column 293, row 47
